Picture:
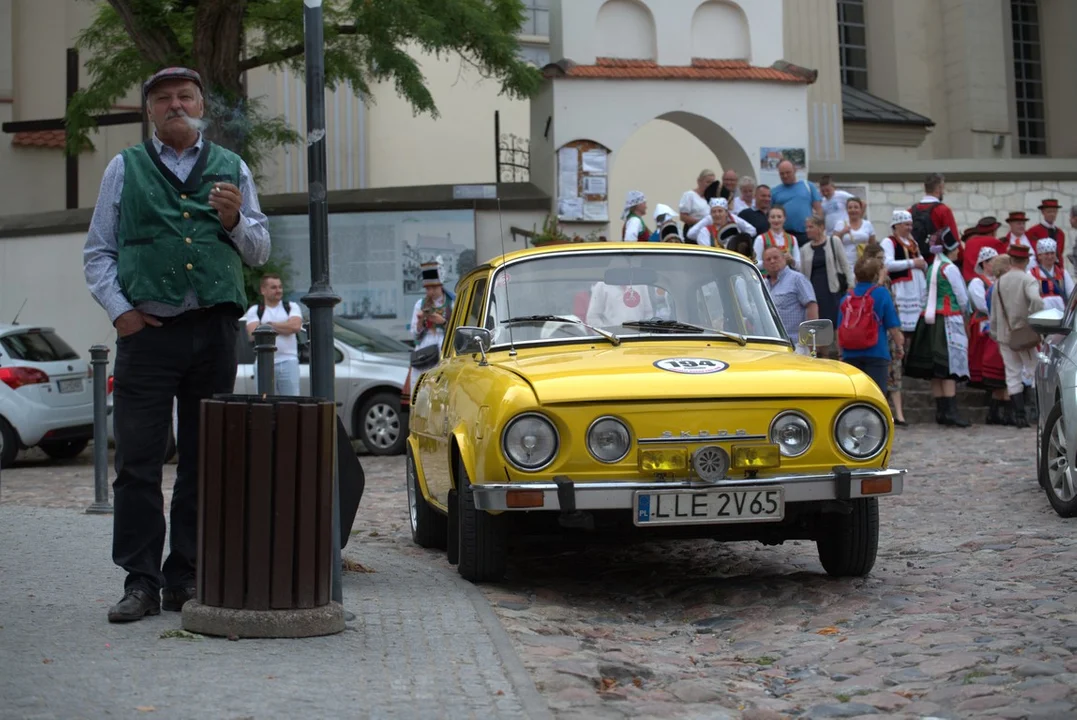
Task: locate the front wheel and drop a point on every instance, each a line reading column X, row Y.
column 381, row 426
column 428, row 526
column 482, row 538
column 64, row 449
column 1056, row 475
column 847, row 548
column 9, row 444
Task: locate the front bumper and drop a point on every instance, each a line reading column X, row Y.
column 563, row 494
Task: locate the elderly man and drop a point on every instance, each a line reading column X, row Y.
column 729, row 183
column 800, row 198
column 793, row 296
column 757, row 215
column 177, row 218
column 693, row 207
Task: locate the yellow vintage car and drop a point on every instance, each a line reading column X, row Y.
column 647, row 389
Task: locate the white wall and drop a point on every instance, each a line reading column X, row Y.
column 491, row 227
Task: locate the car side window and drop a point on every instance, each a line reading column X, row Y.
column 1070, row 317
column 463, row 295
column 474, row 313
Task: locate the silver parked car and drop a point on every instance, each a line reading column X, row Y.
column 371, row 369
column 1056, row 394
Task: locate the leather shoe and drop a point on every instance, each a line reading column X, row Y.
column 173, row 598
column 135, row 605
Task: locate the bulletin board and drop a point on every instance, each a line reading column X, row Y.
column 583, row 182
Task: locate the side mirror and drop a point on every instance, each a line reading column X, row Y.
column 814, row 334
column 1048, row 322
column 468, row 339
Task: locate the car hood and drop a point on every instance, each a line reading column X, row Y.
column 674, row 371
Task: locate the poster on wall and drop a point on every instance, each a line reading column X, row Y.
column 374, row 260
column 769, row 157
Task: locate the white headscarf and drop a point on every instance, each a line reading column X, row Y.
column 635, row 197
column 720, row 202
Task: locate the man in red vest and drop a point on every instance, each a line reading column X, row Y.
column 983, row 235
column 1049, row 209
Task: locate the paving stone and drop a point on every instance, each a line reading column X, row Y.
column 1034, row 669
column 840, row 710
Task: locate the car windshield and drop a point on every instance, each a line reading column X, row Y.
column 366, row 338
column 37, row 346
column 630, row 294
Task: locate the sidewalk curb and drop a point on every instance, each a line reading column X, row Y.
column 529, row 696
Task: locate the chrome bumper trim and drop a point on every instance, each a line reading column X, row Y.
column 617, row 495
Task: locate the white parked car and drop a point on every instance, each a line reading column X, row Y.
column 46, row 394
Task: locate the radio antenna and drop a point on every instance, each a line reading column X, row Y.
column 505, row 274
column 15, row 320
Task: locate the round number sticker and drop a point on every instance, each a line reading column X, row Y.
column 691, row 366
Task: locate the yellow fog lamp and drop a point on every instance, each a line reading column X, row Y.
column 662, row 460
column 756, row 457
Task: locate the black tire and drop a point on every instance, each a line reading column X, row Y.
column 9, row 444
column 380, row 424
column 452, row 553
column 849, row 545
column 482, row 537
column 64, row 449
column 428, row 526
column 1048, row 454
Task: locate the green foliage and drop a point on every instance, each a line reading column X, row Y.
column 252, row 277
column 366, row 42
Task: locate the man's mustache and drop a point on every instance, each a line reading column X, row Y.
column 195, row 123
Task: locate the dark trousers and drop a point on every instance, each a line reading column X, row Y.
column 877, row 369
column 191, row 357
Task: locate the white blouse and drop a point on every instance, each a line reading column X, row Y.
column 851, row 239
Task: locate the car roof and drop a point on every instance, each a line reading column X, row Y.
column 8, row 329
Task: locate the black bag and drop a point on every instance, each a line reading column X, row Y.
column 426, row 357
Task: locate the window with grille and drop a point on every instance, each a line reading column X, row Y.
column 1028, row 77
column 536, row 28
column 852, row 44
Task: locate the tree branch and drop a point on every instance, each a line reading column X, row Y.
column 288, row 52
column 158, row 45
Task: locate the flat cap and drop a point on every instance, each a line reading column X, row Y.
column 172, row 73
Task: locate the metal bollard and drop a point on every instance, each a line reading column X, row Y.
column 99, row 361
column 265, row 344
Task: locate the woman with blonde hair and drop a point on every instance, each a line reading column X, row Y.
column 897, row 347
column 856, row 232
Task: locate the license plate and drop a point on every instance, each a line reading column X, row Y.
column 708, row 507
column 70, row 386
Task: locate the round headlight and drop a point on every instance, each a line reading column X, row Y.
column 860, row 432
column 530, row 442
column 608, row 440
column 791, row 431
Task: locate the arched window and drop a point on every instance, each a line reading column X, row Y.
column 720, row 32
column 1028, row 77
column 625, row 29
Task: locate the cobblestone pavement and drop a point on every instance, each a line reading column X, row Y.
column 967, row 613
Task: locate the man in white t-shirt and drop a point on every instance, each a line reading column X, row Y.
column 833, row 203
column 287, row 319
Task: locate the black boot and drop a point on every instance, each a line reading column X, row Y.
column 994, row 412
column 1008, row 413
column 940, row 410
column 1018, row 401
column 952, row 418
column 1032, row 408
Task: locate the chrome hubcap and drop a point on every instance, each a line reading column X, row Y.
column 382, row 426
column 413, row 507
column 1059, row 472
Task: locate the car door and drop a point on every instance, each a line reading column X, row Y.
column 434, row 449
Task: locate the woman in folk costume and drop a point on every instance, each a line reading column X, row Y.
column 940, row 347
column 776, row 236
column 906, row 268
column 717, row 228
column 433, row 311
column 1016, row 236
column 986, row 369
column 635, row 230
column 664, row 219
column 1056, row 285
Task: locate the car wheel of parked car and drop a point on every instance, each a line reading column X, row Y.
column 9, row 444
column 64, row 449
column 482, row 538
column 381, row 426
column 1055, row 473
column 428, row 526
column 850, row 542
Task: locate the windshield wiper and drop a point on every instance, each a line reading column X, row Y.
column 559, row 318
column 676, row 326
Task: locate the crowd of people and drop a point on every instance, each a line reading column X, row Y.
column 926, row 300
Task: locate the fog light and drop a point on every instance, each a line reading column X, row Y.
column 663, row 460
column 524, row 498
column 876, row 486
column 754, row 457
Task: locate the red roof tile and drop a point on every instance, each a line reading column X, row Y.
column 700, row 69
column 40, row 139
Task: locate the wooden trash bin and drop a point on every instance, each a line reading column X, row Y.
column 265, row 484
